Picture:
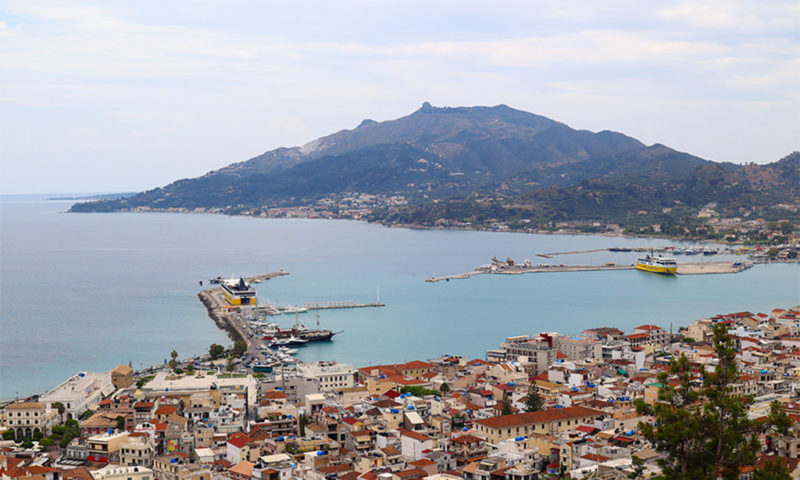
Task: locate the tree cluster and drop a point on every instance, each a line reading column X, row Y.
column 700, row 424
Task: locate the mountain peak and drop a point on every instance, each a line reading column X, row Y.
column 426, row 108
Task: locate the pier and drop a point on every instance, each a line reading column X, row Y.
column 550, row 255
column 339, row 305
column 265, row 276
column 519, row 270
column 223, row 314
column 504, row 269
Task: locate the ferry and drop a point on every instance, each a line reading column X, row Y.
column 664, row 265
column 237, row 291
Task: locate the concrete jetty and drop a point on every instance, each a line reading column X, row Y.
column 265, row 276
column 519, row 270
column 224, row 314
column 683, row 269
column 340, row 305
column 711, row 267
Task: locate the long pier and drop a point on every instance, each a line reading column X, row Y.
column 224, row 315
column 519, row 270
column 340, row 305
column 683, row 269
column 551, row 254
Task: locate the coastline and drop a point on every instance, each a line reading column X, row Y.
column 217, row 337
column 412, row 226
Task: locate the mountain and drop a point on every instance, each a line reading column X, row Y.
column 436, row 154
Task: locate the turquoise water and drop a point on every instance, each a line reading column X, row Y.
column 91, row 291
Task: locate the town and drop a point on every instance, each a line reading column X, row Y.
column 537, row 406
column 702, row 224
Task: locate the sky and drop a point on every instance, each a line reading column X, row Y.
column 118, row 96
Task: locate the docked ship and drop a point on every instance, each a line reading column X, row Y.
column 664, row 265
column 237, row 291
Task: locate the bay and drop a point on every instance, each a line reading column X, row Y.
column 84, row 292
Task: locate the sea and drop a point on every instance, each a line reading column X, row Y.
column 88, row 292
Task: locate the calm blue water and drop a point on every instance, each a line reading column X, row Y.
column 92, row 291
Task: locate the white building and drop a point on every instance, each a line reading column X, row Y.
column 116, row 472
column 329, row 375
column 81, row 392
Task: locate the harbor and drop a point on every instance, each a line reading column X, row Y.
column 233, row 306
column 511, row 267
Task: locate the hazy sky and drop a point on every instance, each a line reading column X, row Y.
column 129, row 95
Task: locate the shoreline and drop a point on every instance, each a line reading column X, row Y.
column 451, row 228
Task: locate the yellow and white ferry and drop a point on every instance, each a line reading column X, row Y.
column 237, row 291
column 667, row 266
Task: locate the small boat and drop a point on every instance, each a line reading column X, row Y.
column 293, row 309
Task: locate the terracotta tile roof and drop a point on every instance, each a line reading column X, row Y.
column 586, row 429
column 390, row 451
column 466, row 439
column 21, row 405
column 636, row 336
column 240, row 442
column 243, row 468
column 415, row 435
column 543, row 416
column 100, row 420
column 412, row 473
column 595, row 458
column 791, row 464
column 80, row 473
column 38, row 470
column 348, row 476
column 648, row 328
column 166, row 410
column 401, row 380
column 416, row 364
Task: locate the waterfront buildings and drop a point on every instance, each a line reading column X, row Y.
column 27, row 419
column 328, row 375
column 446, row 417
column 82, row 391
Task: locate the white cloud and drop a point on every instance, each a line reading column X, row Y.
column 200, row 85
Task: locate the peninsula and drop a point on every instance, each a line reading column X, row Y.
column 495, row 168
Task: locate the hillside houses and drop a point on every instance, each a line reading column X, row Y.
column 433, row 418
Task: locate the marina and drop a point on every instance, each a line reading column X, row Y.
column 232, row 304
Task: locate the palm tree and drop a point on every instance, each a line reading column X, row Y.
column 174, row 362
column 60, row 407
